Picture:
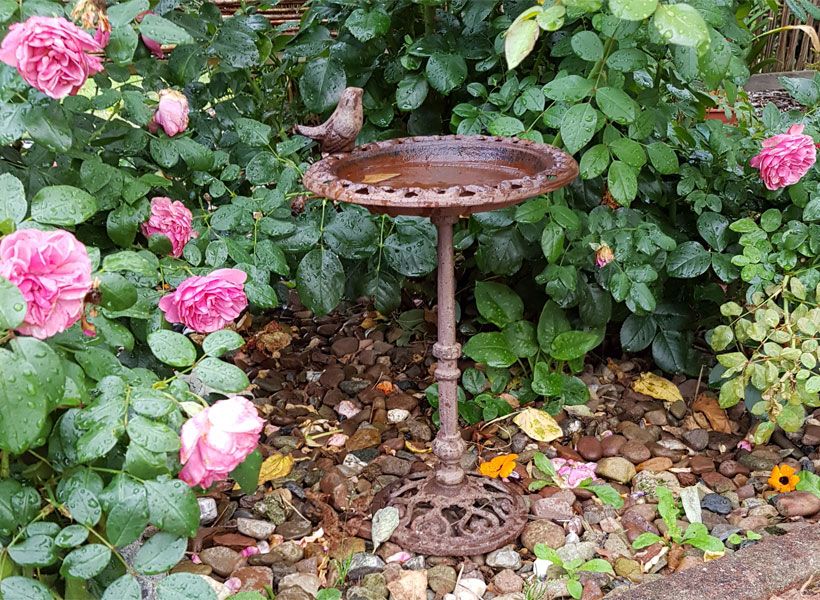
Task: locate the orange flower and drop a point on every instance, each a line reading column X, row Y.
column 783, row 478
column 501, row 466
column 385, row 387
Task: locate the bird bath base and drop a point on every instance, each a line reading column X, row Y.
column 447, row 512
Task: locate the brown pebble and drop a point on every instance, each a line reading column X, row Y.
column 730, row 468
column 589, row 448
column 656, row 465
column 718, row 482
column 611, row 445
column 635, row 452
column 701, row 464
column 686, row 479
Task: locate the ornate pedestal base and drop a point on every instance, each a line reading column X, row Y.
column 474, row 517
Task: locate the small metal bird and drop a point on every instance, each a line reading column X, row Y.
column 339, row 132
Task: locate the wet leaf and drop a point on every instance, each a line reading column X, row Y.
column 384, row 524
column 657, row 387
column 708, row 405
column 538, row 425
column 275, row 466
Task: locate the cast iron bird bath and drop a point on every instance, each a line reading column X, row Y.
column 448, row 512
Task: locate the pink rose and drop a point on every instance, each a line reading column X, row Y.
column 172, row 113
column 217, row 440
column 171, row 219
column 51, row 54
column 154, row 47
column 53, row 272
column 785, row 158
column 603, row 256
column 572, row 472
column 102, row 36
column 207, row 303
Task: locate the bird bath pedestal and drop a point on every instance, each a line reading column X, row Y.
column 448, row 512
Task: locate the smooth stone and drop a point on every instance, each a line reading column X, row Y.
column 222, row 560
column 254, row 579
column 811, row 435
column 294, row 530
column 719, row 483
column 543, row 531
column 761, row 459
column 656, row 464
column 504, row 558
column 716, row 503
column 701, row 464
column 697, row 439
column 411, row 585
column 207, row 510
column 288, row 552
column 616, row 468
column 363, row 563
column 397, row 415
column 556, row 509
column 647, row 482
column 186, row 566
column 678, row 409
column 508, row 582
column 635, row 452
column 293, row 593
column 308, row 582
column 589, row 448
column 261, row 530
column 730, row 468
column 797, row 504
column 392, row 465
column 343, row 346
column 583, row 550
column 442, row 579
column 611, row 445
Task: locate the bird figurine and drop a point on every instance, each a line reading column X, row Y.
column 339, row 132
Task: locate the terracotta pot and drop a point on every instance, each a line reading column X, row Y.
column 718, row 114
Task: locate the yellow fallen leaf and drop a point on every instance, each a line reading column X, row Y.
column 657, row 387
column 417, row 447
column 275, row 466
column 379, row 177
column 538, row 425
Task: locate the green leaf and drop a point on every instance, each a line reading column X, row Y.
column 12, row 305
column 163, row 31
column 505, row 126
column 491, row 349
column 352, row 234
column 498, row 303
column 663, row 158
column 84, row 506
column 152, row 435
column 637, row 332
column 445, row 72
column 321, row 84
column 672, row 351
column 172, row 507
column 121, row 47
column 127, row 506
column 172, row 348
column 221, row 342
column 23, row 407
column 646, row 539
column 714, row 227
column 320, row 280
column 681, row 24
column 50, row 127
column 411, row 253
column 184, row 586
column 551, row 322
column 519, row 41
column 688, row 260
column 597, row 565
column 160, row 553
column 366, row 25
column 623, row 182
column 221, row 376
column 125, row 12
column 521, row 338
column 607, row 494
column 633, row 10
column 411, row 92
column 71, row 536
column 62, row 205
column 34, row 551
column 247, row 473
column 116, row 292
column 23, row 588
column 616, row 105
column 574, row 588
column 544, row 552
column 588, row 46
column 86, row 562
column 570, row 88
column 578, row 126
column 13, row 205
column 594, row 161
column 125, row 588
column 570, row 345
column 253, row 133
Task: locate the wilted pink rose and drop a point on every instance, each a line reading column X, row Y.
column 172, row 219
column 217, row 440
column 51, row 54
column 171, row 114
column 572, row 472
column 154, row 47
column 53, row 272
column 603, row 256
column 207, row 303
column 785, row 158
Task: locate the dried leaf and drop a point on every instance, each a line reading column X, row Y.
column 708, row 405
column 385, row 521
column 538, row 424
column 500, row 466
column 690, row 498
column 379, row 177
column 275, row 466
column 657, row 387
column 417, row 447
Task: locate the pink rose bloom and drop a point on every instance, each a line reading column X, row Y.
column 572, row 472
column 603, row 256
column 171, row 219
column 207, row 303
column 102, row 36
column 172, row 113
column 51, row 54
column 217, row 440
column 53, row 272
column 785, row 158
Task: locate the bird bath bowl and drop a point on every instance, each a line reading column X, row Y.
column 448, row 512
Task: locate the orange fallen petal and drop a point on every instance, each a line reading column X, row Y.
column 500, row 466
column 385, row 387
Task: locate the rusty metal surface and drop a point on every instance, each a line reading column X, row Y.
column 442, row 175
column 475, row 517
column 755, row 573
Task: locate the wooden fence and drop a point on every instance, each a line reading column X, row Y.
column 790, row 50
column 289, row 11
